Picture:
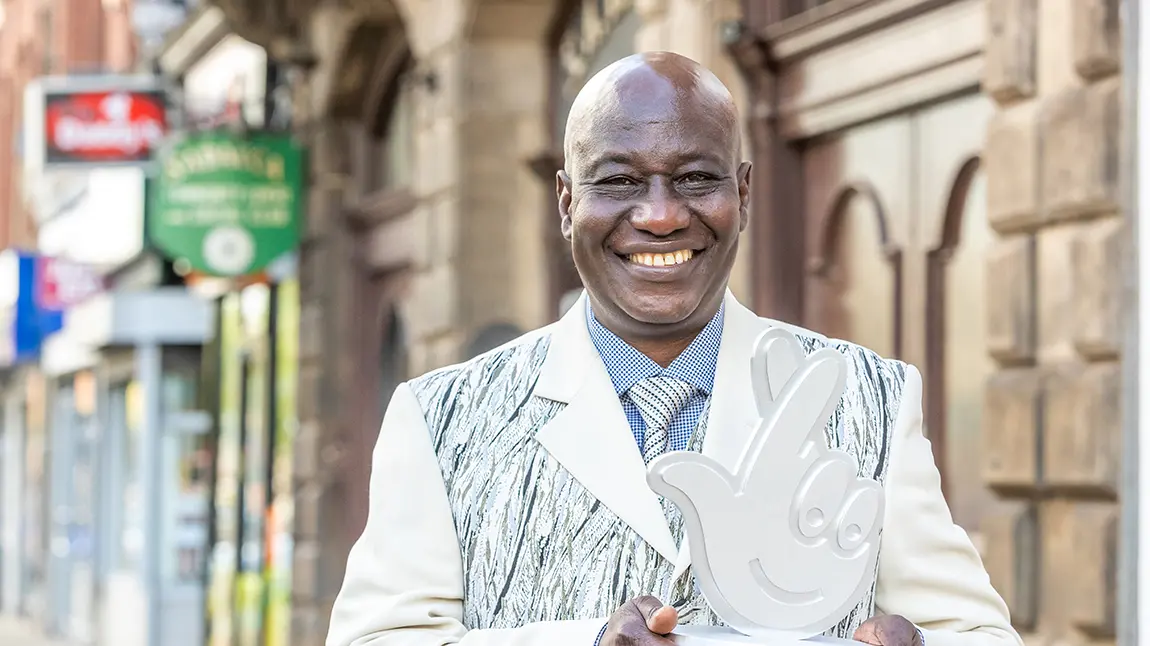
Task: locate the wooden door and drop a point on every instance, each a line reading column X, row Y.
column 896, row 241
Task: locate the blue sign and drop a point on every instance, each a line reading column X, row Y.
column 32, row 323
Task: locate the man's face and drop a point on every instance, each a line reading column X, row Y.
column 653, row 209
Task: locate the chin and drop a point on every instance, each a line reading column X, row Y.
column 657, row 310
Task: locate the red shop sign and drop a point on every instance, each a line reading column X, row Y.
column 119, row 126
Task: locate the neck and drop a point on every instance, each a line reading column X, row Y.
column 660, row 345
column 664, row 348
column 662, row 352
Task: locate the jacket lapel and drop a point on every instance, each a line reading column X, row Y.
column 591, row 438
column 733, row 411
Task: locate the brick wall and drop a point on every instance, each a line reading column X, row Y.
column 21, row 57
column 1053, row 432
column 40, row 37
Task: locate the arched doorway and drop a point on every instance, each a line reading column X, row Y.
column 897, row 236
column 854, row 283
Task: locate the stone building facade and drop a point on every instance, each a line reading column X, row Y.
column 936, row 179
column 996, row 263
column 1054, row 433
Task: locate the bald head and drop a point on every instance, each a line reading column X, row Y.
column 648, row 88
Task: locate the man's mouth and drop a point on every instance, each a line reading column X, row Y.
column 669, row 259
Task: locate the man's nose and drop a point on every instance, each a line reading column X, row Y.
column 661, row 214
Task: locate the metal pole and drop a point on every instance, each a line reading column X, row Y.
column 239, row 581
column 266, row 565
column 212, row 362
column 1134, row 575
column 149, row 372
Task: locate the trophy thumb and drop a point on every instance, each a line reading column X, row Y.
column 691, row 475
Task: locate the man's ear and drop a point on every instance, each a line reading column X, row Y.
column 744, row 177
column 563, row 192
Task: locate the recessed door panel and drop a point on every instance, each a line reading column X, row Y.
column 896, row 244
column 856, row 213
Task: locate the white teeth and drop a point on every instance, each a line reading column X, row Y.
column 661, row 259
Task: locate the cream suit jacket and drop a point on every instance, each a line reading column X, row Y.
column 404, row 583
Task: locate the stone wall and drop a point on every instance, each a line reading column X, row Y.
column 1053, row 434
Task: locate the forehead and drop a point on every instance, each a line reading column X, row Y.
column 651, row 132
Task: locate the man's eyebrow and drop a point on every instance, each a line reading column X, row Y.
column 701, row 156
column 607, row 159
column 626, row 159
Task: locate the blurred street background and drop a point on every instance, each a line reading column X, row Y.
column 231, row 227
column 24, row 633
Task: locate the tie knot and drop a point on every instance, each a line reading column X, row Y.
column 659, row 393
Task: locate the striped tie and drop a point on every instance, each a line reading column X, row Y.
column 659, row 399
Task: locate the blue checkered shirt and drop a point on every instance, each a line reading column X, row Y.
column 627, row 366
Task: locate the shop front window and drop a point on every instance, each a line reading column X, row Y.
column 189, row 447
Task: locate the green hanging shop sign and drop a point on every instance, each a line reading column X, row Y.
column 228, row 204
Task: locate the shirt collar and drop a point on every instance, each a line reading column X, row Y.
column 627, row 366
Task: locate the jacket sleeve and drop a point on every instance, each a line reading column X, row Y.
column 404, row 580
column 929, row 571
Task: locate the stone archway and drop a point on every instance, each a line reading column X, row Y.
column 853, row 237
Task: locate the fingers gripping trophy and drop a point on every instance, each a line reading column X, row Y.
column 786, row 545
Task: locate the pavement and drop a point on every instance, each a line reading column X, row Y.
column 20, row 632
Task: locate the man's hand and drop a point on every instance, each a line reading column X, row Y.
column 888, row 630
column 642, row 621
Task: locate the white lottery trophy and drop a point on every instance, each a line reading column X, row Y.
column 785, row 546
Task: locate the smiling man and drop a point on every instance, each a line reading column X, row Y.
column 509, row 503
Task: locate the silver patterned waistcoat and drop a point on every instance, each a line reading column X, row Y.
column 536, row 545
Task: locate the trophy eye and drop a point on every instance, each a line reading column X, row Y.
column 820, row 496
column 852, row 532
column 815, row 518
column 859, row 516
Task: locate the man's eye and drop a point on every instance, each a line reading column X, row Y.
column 619, row 181
column 695, row 178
